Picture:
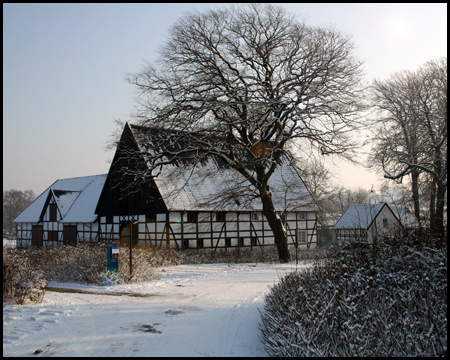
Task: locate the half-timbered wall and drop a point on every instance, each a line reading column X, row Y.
column 55, row 234
column 214, row 230
column 177, row 229
column 52, row 232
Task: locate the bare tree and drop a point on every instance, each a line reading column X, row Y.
column 397, row 133
column 412, row 132
column 243, row 84
column 14, row 201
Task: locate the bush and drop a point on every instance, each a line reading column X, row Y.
column 144, row 261
column 391, row 301
column 26, row 271
column 268, row 254
column 20, row 281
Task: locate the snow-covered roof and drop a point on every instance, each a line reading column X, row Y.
column 406, row 217
column 208, row 186
column 359, row 216
column 76, row 199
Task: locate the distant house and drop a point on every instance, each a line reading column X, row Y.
column 197, row 205
column 62, row 214
column 363, row 223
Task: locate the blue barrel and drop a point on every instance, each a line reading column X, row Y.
column 112, row 259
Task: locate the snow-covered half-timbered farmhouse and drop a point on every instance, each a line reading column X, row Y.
column 363, row 223
column 62, row 214
column 186, row 206
column 198, row 206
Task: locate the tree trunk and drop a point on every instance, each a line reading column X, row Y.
column 432, row 204
column 276, row 224
column 415, row 193
column 439, row 213
column 440, row 198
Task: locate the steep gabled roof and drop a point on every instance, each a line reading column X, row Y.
column 76, row 199
column 210, row 185
column 406, row 217
column 360, row 216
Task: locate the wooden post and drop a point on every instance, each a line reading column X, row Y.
column 131, row 236
column 167, row 238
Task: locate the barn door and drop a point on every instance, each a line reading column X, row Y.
column 37, row 235
column 70, row 235
column 129, row 231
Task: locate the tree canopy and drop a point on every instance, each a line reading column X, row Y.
column 411, row 131
column 251, row 75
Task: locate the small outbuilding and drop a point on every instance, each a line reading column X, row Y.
column 363, row 223
column 62, row 214
column 406, row 217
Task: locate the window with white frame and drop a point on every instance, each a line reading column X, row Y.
column 301, row 236
column 254, row 216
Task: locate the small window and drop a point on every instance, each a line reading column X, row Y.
column 185, row 243
column 227, row 241
column 254, row 216
column 199, row 243
column 385, row 222
column 241, row 241
column 301, row 236
column 220, row 216
column 302, row 216
column 253, row 241
column 192, row 217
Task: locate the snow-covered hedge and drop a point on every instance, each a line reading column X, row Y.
column 391, row 301
column 26, row 271
column 20, row 281
column 267, row 254
column 29, row 269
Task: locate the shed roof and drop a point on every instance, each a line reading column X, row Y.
column 359, row 216
column 76, row 199
column 406, row 217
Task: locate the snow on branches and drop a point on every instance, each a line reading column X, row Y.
column 390, row 302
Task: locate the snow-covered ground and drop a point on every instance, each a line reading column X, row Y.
column 193, row 310
column 9, row 243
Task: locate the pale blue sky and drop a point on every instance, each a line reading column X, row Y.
column 64, row 67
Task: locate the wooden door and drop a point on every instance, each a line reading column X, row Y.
column 127, row 232
column 70, row 235
column 37, row 235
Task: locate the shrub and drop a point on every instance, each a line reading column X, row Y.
column 25, row 270
column 391, row 301
column 20, row 281
column 144, row 260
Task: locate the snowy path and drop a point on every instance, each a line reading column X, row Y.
column 195, row 310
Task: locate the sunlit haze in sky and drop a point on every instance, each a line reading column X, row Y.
column 64, row 67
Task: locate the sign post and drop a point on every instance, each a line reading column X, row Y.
column 259, row 149
column 112, row 257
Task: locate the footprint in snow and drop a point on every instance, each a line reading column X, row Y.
column 173, row 312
